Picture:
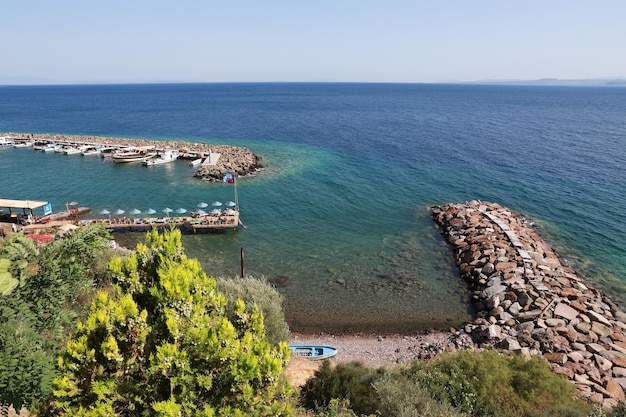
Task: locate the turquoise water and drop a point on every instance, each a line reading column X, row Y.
column 341, row 209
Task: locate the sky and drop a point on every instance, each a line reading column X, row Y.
column 72, row 41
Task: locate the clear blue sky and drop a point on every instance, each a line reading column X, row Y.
column 321, row 40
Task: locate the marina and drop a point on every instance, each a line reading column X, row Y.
column 210, row 162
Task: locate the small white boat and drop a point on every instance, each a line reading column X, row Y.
column 4, row 141
column 51, row 148
column 195, row 162
column 62, row 148
column 107, row 151
column 75, row 150
column 164, row 158
column 91, row 150
column 38, row 146
column 23, row 144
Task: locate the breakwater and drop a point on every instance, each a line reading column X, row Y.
column 232, row 158
column 527, row 301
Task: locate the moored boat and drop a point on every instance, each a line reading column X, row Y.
column 92, row 150
column 51, row 148
column 23, row 144
column 313, row 352
column 163, row 158
column 132, row 155
column 75, row 150
column 4, row 141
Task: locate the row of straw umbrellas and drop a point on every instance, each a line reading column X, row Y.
column 199, row 210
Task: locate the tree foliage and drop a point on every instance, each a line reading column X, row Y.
column 162, row 346
column 38, row 309
column 257, row 292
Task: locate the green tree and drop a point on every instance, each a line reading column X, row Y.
column 164, row 347
column 36, row 308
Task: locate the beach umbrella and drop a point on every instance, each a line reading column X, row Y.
column 167, row 210
column 203, row 205
column 150, row 211
column 181, row 210
column 216, row 211
column 200, row 212
column 118, row 212
column 105, row 211
column 216, row 204
column 230, row 212
column 231, row 204
column 135, row 211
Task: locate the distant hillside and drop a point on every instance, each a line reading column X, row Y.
column 592, row 82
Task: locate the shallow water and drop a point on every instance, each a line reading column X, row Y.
column 341, row 210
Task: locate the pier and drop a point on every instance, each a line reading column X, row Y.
column 188, row 224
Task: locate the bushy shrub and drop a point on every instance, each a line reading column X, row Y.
column 352, row 382
column 257, row 292
column 336, row 408
column 400, row 396
column 494, row 384
column 36, row 314
column 27, row 360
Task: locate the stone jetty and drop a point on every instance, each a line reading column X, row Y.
column 232, row 158
column 528, row 302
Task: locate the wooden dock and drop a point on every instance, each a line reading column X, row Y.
column 193, row 224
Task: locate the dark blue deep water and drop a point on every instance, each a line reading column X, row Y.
column 341, row 209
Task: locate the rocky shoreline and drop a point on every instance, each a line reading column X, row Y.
column 235, row 159
column 528, row 302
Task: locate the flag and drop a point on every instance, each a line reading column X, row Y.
column 229, row 178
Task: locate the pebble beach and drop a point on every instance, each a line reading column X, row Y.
column 527, row 302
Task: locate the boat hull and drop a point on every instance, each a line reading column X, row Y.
column 131, row 158
column 313, row 352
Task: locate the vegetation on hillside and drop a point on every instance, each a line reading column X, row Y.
column 162, row 345
column 86, row 332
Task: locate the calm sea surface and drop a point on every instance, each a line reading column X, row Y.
column 342, row 208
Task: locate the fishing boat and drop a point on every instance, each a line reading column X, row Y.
column 5, row 141
column 163, row 158
column 107, row 151
column 75, row 150
column 313, row 352
column 132, row 155
column 23, row 144
column 39, row 145
column 51, row 148
column 91, row 150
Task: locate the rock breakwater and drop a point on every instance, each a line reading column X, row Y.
column 527, row 301
column 235, row 159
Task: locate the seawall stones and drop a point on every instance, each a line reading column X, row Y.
column 528, row 302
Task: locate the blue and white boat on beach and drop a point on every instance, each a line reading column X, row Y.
column 313, row 352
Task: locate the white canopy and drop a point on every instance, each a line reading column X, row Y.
column 22, row 204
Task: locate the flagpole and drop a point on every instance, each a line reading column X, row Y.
column 235, row 187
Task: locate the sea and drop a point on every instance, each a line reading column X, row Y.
column 339, row 217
